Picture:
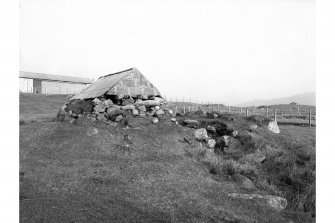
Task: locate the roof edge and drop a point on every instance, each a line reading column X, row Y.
column 108, row 75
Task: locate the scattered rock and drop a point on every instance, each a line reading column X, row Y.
column 277, row 203
column 119, row 118
column 173, row 119
column 245, row 182
column 273, row 127
column 253, row 126
column 215, row 115
column 201, row 134
column 92, row 131
column 235, row 133
column 160, row 112
column 211, row 129
column 155, row 120
column 157, row 107
column 135, row 112
column 191, row 123
column 211, row 143
column 72, row 120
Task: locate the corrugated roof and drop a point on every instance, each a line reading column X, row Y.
column 104, row 84
column 52, row 77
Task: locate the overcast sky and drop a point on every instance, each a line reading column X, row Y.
column 217, row 51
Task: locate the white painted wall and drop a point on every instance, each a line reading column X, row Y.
column 53, row 87
column 26, row 85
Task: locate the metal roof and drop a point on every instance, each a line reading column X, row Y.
column 40, row 76
column 106, row 83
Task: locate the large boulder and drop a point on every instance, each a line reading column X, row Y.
column 151, row 103
column 201, row 134
column 128, row 107
column 273, row 127
column 277, row 203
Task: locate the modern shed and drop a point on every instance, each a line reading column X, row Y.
column 31, row 82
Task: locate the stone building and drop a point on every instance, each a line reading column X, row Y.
column 129, row 82
column 51, row 84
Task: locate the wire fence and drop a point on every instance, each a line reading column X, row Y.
column 292, row 113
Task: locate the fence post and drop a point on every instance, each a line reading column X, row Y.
column 189, row 108
column 184, row 109
column 275, row 114
column 310, row 118
column 298, row 111
column 176, row 109
column 246, row 112
column 229, row 108
column 282, row 113
column 267, row 111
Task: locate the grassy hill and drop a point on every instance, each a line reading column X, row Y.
column 38, row 106
column 304, row 99
column 93, row 172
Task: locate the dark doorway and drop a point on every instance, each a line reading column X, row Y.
column 37, row 86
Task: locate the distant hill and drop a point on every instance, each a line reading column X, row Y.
column 303, row 99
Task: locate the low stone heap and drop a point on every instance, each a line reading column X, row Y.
column 116, row 108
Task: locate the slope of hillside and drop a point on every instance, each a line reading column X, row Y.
column 93, row 172
column 39, row 106
column 303, row 99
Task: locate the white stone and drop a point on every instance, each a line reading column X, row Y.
column 253, row 126
column 201, row 134
column 155, row 120
column 135, row 112
column 211, row 143
column 160, row 112
column 273, row 127
column 277, row 203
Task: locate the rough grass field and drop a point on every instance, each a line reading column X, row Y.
column 92, row 172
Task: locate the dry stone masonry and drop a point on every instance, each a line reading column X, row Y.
column 116, row 97
column 116, row 108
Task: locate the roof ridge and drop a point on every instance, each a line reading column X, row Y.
column 108, row 75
